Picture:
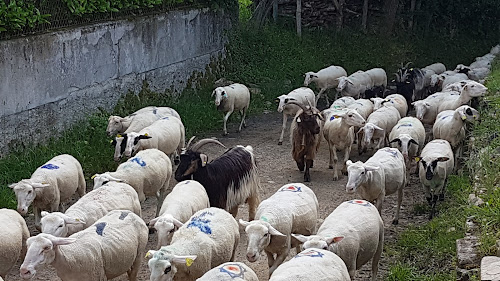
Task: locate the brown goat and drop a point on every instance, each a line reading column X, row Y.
column 305, row 137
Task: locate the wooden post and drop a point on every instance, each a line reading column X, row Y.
column 412, row 12
column 275, row 10
column 298, row 16
column 364, row 18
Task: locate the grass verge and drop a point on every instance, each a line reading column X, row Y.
column 428, row 252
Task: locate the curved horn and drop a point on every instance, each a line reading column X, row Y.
column 297, row 104
column 189, row 142
column 408, row 64
column 203, row 142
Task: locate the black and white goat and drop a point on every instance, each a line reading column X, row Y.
column 410, row 83
column 230, row 180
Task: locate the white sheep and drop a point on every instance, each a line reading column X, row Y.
column 408, row 136
column 378, row 76
column 338, row 131
column 495, row 50
column 230, row 271
column 395, row 100
column 302, row 95
column 481, row 63
column 13, row 235
column 342, row 102
column 427, row 76
column 437, row 68
column 469, row 90
column 109, row 248
column 437, row 164
column 450, row 126
column 383, row 174
column 230, row 98
column 90, row 208
column 453, row 78
column 185, row 199
column 207, row 240
column 355, row 84
column 50, row 185
column 166, row 134
column 292, row 209
column 149, row 173
column 377, row 128
column 138, row 120
column 437, row 79
column 354, row 231
column 312, row 264
column 362, row 106
column 325, row 79
column 426, row 109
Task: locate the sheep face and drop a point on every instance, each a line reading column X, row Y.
column 351, row 117
column 259, row 236
column 114, row 125
column 429, row 165
column 25, row 191
column 421, row 107
column 41, row 250
column 163, row 265
column 133, row 145
column 220, row 95
column 369, row 131
column 282, row 101
column 377, row 103
column 468, row 113
column 190, row 162
column 357, row 174
column 474, row 89
column 165, row 227
column 343, row 81
column 120, row 143
column 309, row 77
column 54, row 224
column 402, row 143
column 317, row 242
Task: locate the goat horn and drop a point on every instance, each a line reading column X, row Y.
column 408, row 64
column 203, row 142
column 189, row 142
column 297, row 104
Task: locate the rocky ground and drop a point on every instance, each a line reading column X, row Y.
column 278, row 168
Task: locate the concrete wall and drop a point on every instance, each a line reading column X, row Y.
column 49, row 81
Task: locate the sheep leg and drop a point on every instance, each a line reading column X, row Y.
column 400, row 199
column 243, row 124
column 270, row 259
column 225, row 121
column 335, row 164
column 132, row 272
column 307, row 176
column 160, row 196
column 347, row 152
column 38, row 215
column 280, row 257
column 326, row 98
column 376, row 257
column 331, row 148
column 319, row 95
column 285, row 117
column 380, row 201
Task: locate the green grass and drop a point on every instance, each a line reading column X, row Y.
column 274, row 60
column 428, row 252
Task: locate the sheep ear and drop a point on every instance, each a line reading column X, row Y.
column 12, row 185
column 177, row 222
column 348, row 163
column 188, row 260
column 298, row 120
column 443, row 159
column 213, row 93
column 275, row 232
column 331, row 240
column 244, row 223
column 150, row 254
column 57, row 241
column 44, row 213
column 427, row 104
column 370, row 168
column 39, row 185
column 204, row 159
column 143, row 137
column 378, row 128
column 152, row 222
column 301, row 238
column 70, row 220
column 360, row 129
column 414, row 141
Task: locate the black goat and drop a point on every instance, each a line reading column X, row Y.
column 410, row 83
column 230, row 180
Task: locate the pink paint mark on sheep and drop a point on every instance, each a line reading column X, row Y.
column 233, row 270
column 311, row 253
column 291, row 188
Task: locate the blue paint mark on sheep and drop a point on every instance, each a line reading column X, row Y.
column 123, row 215
column 311, row 254
column 291, row 188
column 394, row 153
column 233, row 270
column 201, row 222
column 50, row 167
column 155, row 110
column 165, row 118
column 139, row 161
column 332, row 118
column 444, row 117
column 405, row 125
column 99, row 228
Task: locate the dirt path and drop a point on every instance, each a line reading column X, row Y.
column 278, row 168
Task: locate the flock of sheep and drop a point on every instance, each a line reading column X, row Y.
column 102, row 235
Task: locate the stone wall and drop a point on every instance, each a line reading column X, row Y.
column 50, row 81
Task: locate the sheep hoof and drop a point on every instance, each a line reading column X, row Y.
column 307, row 179
column 395, row 222
column 225, row 134
column 280, row 143
column 330, row 167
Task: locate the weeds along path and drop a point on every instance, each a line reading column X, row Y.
column 278, row 168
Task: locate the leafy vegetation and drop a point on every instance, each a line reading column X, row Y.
column 17, row 14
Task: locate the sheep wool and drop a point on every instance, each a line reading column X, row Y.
column 230, row 271
column 13, row 235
